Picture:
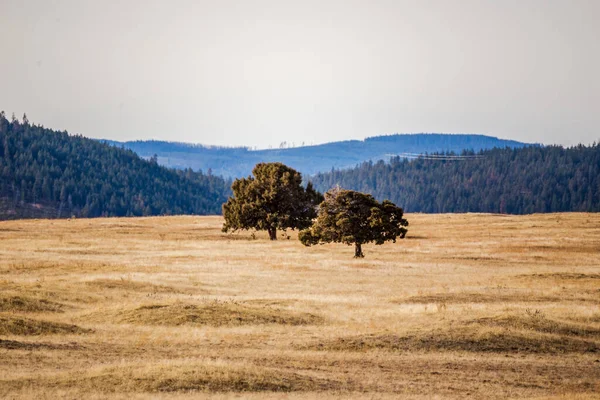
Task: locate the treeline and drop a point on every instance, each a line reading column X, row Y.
column 514, row 181
column 45, row 173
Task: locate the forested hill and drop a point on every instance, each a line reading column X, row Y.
column 238, row 162
column 514, row 181
column 44, row 173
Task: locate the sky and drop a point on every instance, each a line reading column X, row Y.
column 260, row 72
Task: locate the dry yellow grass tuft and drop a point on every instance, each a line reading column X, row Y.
column 474, row 305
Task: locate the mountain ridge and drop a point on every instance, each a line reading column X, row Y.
column 312, row 159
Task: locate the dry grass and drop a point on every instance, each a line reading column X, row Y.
column 535, row 321
column 19, row 345
column 10, row 325
column 563, row 276
column 188, row 376
column 28, row 304
column 471, row 340
column 485, row 306
column 129, row 286
column 504, row 334
column 493, row 297
column 214, row 313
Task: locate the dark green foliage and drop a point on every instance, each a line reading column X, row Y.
column 272, row 199
column 44, row 173
column 350, row 217
column 513, row 181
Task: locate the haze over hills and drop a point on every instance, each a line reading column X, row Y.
column 239, row 161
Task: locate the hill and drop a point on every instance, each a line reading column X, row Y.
column 238, row 161
column 514, row 181
column 45, row 173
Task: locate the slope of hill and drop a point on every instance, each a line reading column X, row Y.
column 514, row 181
column 44, row 173
column 238, row 161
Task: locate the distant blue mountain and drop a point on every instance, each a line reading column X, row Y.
column 239, row 161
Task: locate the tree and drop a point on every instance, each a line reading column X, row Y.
column 346, row 216
column 272, row 199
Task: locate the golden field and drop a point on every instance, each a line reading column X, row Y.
column 468, row 305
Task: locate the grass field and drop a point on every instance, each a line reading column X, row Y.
column 479, row 306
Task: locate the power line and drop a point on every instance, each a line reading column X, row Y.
column 442, row 157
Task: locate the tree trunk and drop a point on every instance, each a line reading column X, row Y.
column 358, row 251
column 272, row 233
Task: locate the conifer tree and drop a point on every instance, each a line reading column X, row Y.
column 272, row 199
column 350, row 217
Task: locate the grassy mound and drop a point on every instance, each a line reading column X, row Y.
column 215, row 314
column 30, row 327
column 587, row 319
column 504, row 334
column 539, row 323
column 470, row 340
column 562, row 276
column 18, row 345
column 28, row 304
column 474, row 297
column 129, row 285
column 182, row 378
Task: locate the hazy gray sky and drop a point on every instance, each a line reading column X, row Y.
column 260, row 72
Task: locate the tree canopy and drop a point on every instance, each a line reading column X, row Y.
column 350, row 217
column 272, row 199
